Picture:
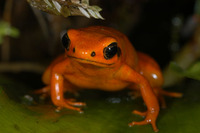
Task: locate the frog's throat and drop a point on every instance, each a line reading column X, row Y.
column 91, row 61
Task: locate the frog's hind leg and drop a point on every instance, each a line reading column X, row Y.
column 167, row 93
column 45, row 89
column 160, row 93
column 43, row 92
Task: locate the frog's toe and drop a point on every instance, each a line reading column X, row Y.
column 73, row 103
column 68, row 107
column 138, row 123
column 144, row 122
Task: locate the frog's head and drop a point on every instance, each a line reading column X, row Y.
column 89, row 46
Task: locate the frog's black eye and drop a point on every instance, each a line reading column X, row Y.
column 110, row 51
column 66, row 41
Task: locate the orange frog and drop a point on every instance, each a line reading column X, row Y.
column 102, row 58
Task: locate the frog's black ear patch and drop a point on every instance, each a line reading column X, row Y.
column 66, row 41
column 110, row 51
column 119, row 51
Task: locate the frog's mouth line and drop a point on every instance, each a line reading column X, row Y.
column 91, row 61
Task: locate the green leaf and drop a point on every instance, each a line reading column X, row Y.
column 106, row 112
column 7, row 30
column 192, row 72
column 197, row 7
column 176, row 68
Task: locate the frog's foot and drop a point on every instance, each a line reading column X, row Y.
column 69, row 104
column 150, row 118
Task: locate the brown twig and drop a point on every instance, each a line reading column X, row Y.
column 5, row 51
column 22, row 66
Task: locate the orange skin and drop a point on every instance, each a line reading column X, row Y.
column 78, row 69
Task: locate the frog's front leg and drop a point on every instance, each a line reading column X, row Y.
column 57, row 89
column 128, row 74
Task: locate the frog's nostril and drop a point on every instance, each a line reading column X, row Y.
column 93, row 54
column 73, row 50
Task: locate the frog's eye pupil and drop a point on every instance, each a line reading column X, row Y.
column 66, row 41
column 110, row 51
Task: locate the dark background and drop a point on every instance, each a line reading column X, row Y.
column 147, row 23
